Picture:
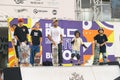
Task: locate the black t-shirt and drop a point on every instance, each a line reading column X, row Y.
column 36, row 34
column 21, row 33
column 100, row 40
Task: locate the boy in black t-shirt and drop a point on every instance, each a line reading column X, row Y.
column 36, row 37
column 21, row 34
column 100, row 41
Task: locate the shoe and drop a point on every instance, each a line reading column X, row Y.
column 78, row 64
column 71, row 61
column 60, row 65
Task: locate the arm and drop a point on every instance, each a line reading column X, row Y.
column 30, row 40
column 27, row 38
column 73, row 40
column 15, row 34
column 95, row 40
column 84, row 45
column 31, row 34
column 104, row 41
column 27, row 33
column 61, row 38
column 13, row 41
column 40, row 40
column 50, row 38
column 16, row 38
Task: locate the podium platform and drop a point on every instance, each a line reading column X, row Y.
column 64, row 73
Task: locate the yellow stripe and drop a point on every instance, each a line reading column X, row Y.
column 67, row 65
column 99, row 24
column 10, row 63
column 111, row 37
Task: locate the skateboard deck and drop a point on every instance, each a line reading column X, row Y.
column 96, row 54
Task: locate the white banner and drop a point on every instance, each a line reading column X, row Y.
column 115, row 48
column 37, row 9
column 32, row 3
column 70, row 73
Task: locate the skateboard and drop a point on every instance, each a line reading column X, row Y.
column 96, row 54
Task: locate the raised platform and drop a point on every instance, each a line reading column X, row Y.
column 66, row 73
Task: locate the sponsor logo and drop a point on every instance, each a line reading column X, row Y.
column 54, row 12
column 76, row 76
column 37, row 2
column 35, row 11
column 20, row 10
column 3, row 18
column 19, row 1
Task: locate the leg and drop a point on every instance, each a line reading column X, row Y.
column 19, row 54
column 78, row 56
column 60, row 54
column 104, row 57
column 54, row 56
column 32, row 55
column 37, row 56
column 22, row 53
column 27, row 50
column 96, row 59
column 16, row 50
column 72, row 56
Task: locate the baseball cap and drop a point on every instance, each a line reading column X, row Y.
column 55, row 20
column 20, row 20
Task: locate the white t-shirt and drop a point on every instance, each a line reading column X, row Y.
column 78, row 42
column 55, row 34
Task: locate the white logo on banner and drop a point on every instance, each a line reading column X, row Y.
column 76, row 76
column 87, row 25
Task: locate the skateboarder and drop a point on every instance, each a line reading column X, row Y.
column 21, row 35
column 36, row 37
column 76, row 43
column 55, row 36
column 100, row 46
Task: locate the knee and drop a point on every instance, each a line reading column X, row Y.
column 72, row 55
column 78, row 56
column 104, row 57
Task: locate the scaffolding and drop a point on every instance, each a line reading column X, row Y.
column 95, row 10
column 78, row 14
